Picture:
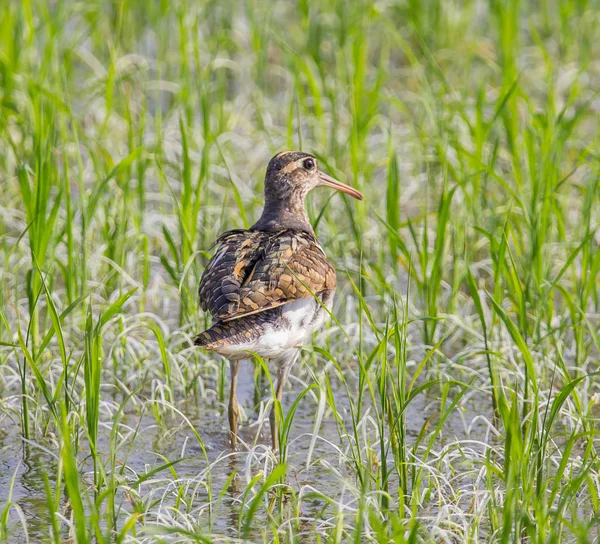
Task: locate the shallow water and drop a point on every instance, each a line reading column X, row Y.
column 172, row 438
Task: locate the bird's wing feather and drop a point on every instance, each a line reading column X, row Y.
column 269, row 271
column 236, row 254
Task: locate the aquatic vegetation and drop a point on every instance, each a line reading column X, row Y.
column 453, row 394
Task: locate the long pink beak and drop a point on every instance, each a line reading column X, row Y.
column 328, row 181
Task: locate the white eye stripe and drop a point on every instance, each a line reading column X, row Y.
column 298, row 164
column 289, row 167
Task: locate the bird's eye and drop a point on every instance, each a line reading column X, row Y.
column 308, row 164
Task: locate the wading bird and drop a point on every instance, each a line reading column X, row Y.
column 270, row 287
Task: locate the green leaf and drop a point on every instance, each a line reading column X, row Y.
column 521, row 344
column 115, row 307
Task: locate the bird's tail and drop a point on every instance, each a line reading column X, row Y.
column 211, row 338
column 237, row 332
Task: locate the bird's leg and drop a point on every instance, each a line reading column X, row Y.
column 234, row 410
column 284, row 364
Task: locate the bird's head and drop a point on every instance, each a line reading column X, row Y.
column 292, row 174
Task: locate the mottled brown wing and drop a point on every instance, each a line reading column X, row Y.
column 292, row 266
column 220, row 285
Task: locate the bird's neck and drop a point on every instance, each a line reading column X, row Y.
column 284, row 213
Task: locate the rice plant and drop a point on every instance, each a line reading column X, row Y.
column 453, row 395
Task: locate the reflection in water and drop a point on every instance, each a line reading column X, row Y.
column 33, row 467
column 234, row 491
column 142, row 437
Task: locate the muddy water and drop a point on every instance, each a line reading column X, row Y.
column 173, row 439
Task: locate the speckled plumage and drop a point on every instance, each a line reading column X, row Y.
column 270, row 287
column 254, row 271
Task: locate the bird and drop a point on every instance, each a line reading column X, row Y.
column 269, row 287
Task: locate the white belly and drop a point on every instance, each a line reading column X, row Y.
column 293, row 328
column 304, row 317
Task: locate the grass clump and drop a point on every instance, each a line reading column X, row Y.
column 454, row 394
